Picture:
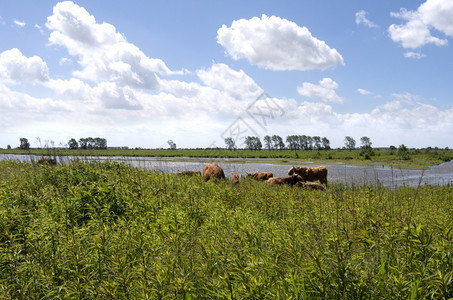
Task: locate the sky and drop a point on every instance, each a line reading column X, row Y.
column 139, row 73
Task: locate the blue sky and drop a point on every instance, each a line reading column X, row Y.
column 139, row 73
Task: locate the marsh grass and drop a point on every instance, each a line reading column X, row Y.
column 108, row 230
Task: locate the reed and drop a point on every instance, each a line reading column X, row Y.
column 108, row 230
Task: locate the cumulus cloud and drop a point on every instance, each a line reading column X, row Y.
column 415, row 55
column 104, row 54
column 277, row 44
column 19, row 23
column 236, row 83
column 364, row 92
column 15, row 67
column 324, row 91
column 360, row 18
column 416, row 32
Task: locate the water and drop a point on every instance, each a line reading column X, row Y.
column 436, row 175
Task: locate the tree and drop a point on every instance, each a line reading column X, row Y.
column 99, row 143
column 317, row 142
column 172, row 144
column 83, row 143
column 253, row 143
column 304, row 142
column 268, row 142
column 278, row 142
column 325, row 143
column 365, row 141
column 349, row 142
column 8, row 147
column 72, row 144
column 24, row 144
column 293, row 142
column 403, row 152
column 230, row 143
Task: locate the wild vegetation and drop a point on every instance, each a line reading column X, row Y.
column 108, row 230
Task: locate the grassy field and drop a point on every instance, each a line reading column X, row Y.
column 417, row 159
column 107, row 230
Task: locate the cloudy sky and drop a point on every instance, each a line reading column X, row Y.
column 139, row 73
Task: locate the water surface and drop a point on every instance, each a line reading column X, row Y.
column 436, row 175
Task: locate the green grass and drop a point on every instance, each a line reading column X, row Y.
column 418, row 158
column 107, row 230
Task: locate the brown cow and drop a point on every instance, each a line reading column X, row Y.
column 212, row 171
column 311, row 185
column 310, row 174
column 189, row 173
column 235, row 179
column 290, row 180
column 260, row 175
column 47, row 160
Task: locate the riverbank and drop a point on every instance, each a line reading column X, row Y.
column 338, row 172
column 417, row 158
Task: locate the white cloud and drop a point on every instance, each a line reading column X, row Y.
column 415, row 55
column 276, row 44
column 104, row 53
column 360, row 18
column 236, row 83
column 324, row 92
column 364, row 92
column 19, row 23
column 15, row 67
column 416, row 32
column 64, row 61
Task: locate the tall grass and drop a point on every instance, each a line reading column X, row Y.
column 108, row 230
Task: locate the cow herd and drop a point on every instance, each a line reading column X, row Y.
column 297, row 176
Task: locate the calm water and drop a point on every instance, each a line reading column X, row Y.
column 436, row 175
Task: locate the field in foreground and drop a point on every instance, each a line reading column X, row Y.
column 107, row 230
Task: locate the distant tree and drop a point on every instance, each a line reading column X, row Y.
column 403, row 152
column 349, row 142
column 325, row 143
column 317, row 142
column 171, row 144
column 8, row 147
column 230, row 143
column 268, row 142
column 83, row 143
column 278, row 142
column 293, row 142
column 309, row 143
column 365, row 141
column 304, row 142
column 253, row 143
column 99, row 143
column 392, row 147
column 72, row 144
column 24, row 144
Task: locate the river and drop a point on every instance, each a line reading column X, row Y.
column 341, row 173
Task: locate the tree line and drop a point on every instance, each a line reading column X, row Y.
column 297, row 142
column 88, row 143
column 83, row 143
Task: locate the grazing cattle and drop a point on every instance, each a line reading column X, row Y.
column 235, row 179
column 189, row 173
column 47, row 160
column 212, row 171
column 290, row 180
column 311, row 185
column 310, row 174
column 260, row 175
